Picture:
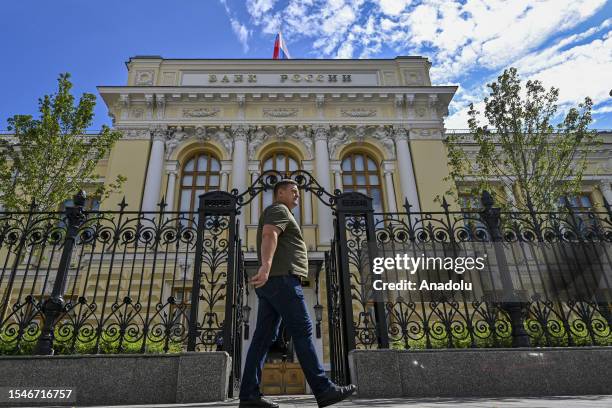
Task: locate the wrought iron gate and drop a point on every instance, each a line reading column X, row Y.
column 218, row 275
column 356, row 316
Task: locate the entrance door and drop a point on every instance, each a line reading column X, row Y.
column 282, row 373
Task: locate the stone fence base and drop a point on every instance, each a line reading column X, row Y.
column 121, row 378
column 524, row 372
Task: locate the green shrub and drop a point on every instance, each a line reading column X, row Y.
column 486, row 340
column 107, row 345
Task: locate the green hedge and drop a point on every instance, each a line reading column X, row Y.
column 107, row 345
column 486, row 340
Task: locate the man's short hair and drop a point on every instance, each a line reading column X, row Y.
column 282, row 184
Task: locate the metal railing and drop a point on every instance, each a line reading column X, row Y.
column 546, row 278
column 122, row 281
column 114, row 281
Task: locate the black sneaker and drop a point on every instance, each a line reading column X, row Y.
column 260, row 402
column 336, row 394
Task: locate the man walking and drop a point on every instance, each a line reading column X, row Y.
column 283, row 260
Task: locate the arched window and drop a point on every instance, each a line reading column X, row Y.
column 201, row 173
column 361, row 173
column 285, row 163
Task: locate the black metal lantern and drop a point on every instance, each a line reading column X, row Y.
column 318, row 308
column 319, row 317
column 246, row 311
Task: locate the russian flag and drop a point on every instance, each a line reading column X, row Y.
column 280, row 49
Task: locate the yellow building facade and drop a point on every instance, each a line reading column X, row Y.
column 373, row 126
column 190, row 126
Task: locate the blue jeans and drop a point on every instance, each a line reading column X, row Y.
column 282, row 297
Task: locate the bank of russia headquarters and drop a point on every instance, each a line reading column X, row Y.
column 194, row 126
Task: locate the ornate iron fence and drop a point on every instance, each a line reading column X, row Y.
column 129, row 281
column 120, row 281
column 546, row 278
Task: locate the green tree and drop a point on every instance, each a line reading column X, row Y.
column 518, row 145
column 50, row 158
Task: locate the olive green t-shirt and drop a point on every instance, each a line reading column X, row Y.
column 290, row 256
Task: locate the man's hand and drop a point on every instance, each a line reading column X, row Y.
column 269, row 239
column 262, row 276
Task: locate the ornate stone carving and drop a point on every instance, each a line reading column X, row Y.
column 399, row 100
column 400, row 133
column 281, row 132
column 136, row 134
column 149, row 102
column 174, row 138
column 358, row 112
column 200, row 133
column 136, row 113
column 428, row 134
column 303, row 134
column 321, row 132
column 257, row 137
column 409, row 100
column 160, row 105
column 124, row 100
column 360, row 133
column 383, row 135
column 224, row 138
column 200, row 112
column 280, row 112
column 338, row 139
column 159, row 133
column 239, row 133
column 145, row 77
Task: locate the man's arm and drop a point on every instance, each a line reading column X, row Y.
column 269, row 240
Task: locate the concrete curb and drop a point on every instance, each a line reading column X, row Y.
column 523, row 372
column 114, row 379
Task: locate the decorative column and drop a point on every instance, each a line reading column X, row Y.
column 335, row 166
column 149, row 103
column 399, row 104
column 254, row 169
column 172, row 170
column 160, row 105
column 404, row 162
column 325, row 221
column 307, row 197
column 410, row 106
column 153, row 181
column 239, row 166
column 224, row 179
column 606, row 190
column 388, row 172
column 226, row 169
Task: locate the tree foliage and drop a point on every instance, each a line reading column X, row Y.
column 519, row 146
column 50, row 158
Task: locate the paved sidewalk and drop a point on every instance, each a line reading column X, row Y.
column 307, row 401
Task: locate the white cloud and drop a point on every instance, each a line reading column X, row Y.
column 257, row 8
column 392, row 7
column 463, row 38
column 241, row 32
column 602, row 109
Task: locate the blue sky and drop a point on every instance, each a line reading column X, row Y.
column 565, row 43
